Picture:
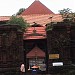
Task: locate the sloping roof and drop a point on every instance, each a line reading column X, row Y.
column 4, row 18
column 42, row 19
column 40, row 33
column 39, row 19
column 36, row 52
column 37, row 8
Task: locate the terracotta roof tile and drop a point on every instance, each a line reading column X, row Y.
column 36, row 52
column 40, row 33
column 4, row 18
column 39, row 14
column 42, row 19
column 39, row 19
column 37, row 8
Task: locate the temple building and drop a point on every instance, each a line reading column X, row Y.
column 36, row 40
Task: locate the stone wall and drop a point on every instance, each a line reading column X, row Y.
column 11, row 48
column 61, row 44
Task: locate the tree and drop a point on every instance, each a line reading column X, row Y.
column 65, row 11
column 67, row 14
column 19, row 21
column 20, row 11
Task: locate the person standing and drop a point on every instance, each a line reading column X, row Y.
column 22, row 69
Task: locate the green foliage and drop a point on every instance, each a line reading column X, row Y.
column 67, row 14
column 19, row 21
column 49, row 26
column 65, row 11
column 20, row 11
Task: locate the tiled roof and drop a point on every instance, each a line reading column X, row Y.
column 40, row 33
column 42, row 19
column 36, row 52
column 4, row 18
column 37, row 8
column 40, row 14
column 39, row 19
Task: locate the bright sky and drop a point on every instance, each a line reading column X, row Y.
column 10, row 7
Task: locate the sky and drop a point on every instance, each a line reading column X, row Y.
column 10, row 7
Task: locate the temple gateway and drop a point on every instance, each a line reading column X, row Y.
column 37, row 47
